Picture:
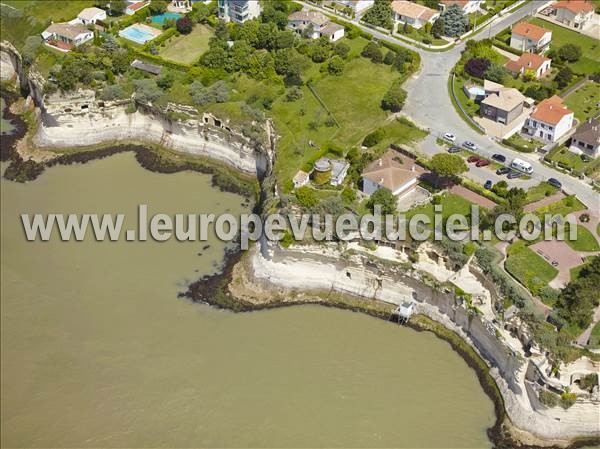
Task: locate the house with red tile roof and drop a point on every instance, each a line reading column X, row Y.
column 66, row 36
column 467, row 6
column 393, row 171
column 576, row 14
column 529, row 61
column 135, row 7
column 550, row 120
column 528, row 37
column 413, row 14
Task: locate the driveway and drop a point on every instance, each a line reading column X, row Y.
column 561, row 253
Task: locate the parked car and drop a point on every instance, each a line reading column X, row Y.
column 499, row 157
column 554, row 182
column 472, row 159
column 450, row 137
column 469, row 145
column 488, row 184
column 514, row 174
column 502, row 171
column 454, row 149
column 482, row 163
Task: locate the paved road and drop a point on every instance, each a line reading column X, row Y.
column 429, row 105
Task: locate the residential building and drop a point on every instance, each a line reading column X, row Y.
column 550, row 120
column 180, row 6
column 413, row 14
column 577, row 14
column 89, row 16
column 357, row 5
column 146, row 67
column 315, row 24
column 132, row 8
column 586, row 139
column 339, row 170
column 393, row 171
column 529, row 61
column 300, row 179
column 467, row 6
column 66, row 36
column 530, row 38
column 239, row 11
column 501, row 104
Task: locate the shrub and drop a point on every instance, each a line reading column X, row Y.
column 341, row 50
column 570, row 52
column 589, row 381
column 477, row 67
column 113, row 92
column 374, row 138
column 348, row 195
column 548, row 398
column 335, row 66
column 306, row 197
column 390, row 57
column 373, row 52
column 564, row 77
column 567, row 399
column 394, row 98
column 293, row 94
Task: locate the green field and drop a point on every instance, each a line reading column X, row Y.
column 585, row 240
column 23, row 18
column 584, row 101
column 565, row 206
column 451, row 204
column 187, row 48
column 539, row 192
column 529, row 268
column 590, row 60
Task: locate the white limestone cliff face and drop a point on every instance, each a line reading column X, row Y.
column 80, row 120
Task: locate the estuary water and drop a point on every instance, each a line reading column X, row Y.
column 98, row 351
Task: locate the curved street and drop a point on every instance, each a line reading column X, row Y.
column 429, row 106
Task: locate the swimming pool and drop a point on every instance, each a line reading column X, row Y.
column 161, row 18
column 139, row 33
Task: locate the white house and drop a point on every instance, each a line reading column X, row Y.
column 550, row 120
column 315, row 24
column 357, row 5
column 578, row 14
column 530, row 38
column 66, row 36
column 89, row 16
column 393, row 171
column 529, row 61
column 239, row 11
column 467, row 6
column 339, row 170
column 413, row 14
column 300, row 179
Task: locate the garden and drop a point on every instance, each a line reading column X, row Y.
column 187, row 48
column 529, row 268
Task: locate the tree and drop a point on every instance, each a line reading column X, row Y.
column 564, row 77
column 341, row 50
column 117, row 6
column 433, row 4
column 293, row 94
column 146, row 90
column 577, row 301
column 184, row 25
column 373, row 52
column 30, row 49
column 538, row 93
column 380, row 14
column 477, row 67
column 335, row 66
column 515, row 201
column 349, row 195
column 448, row 165
column 306, row 197
column 390, row 57
column 529, row 75
column 570, row 52
column 455, row 21
column 383, row 197
column 158, row 6
column 496, row 73
column 394, row 98
column 285, row 39
column 216, row 93
column 166, row 80
column 113, row 92
column 437, row 30
column 374, row 138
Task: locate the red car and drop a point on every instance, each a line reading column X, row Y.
column 482, row 163
column 472, row 159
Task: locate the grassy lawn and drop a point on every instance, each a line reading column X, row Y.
column 541, row 191
column 563, row 207
column 589, row 61
column 567, row 159
column 187, row 48
column 451, row 204
column 529, row 268
column 584, row 101
column 585, row 240
column 595, row 337
column 523, row 144
column 35, row 16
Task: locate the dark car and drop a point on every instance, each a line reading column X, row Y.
column 472, row 159
column 499, row 157
column 555, row 182
column 454, row 150
column 514, row 174
column 488, row 184
column 502, row 171
column 482, row 163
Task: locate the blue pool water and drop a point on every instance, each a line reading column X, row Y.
column 135, row 34
column 160, row 18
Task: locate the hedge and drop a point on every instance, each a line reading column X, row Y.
column 507, row 48
column 159, row 60
column 517, row 147
column 473, row 186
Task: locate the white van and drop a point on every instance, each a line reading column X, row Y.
column 521, row 165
